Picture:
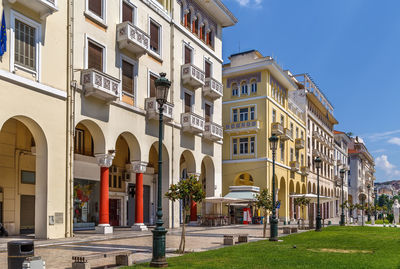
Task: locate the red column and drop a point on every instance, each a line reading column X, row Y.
column 139, row 199
column 193, row 211
column 104, row 217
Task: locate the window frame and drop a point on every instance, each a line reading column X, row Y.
column 192, row 101
column 82, row 152
column 103, row 19
column 38, row 42
column 249, row 142
column 159, row 54
column 211, row 109
column 133, row 6
column 184, row 54
column 150, row 73
column 125, row 58
column 237, row 90
column 211, row 66
column 90, row 39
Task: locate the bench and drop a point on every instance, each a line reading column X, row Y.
column 122, row 258
column 293, row 229
column 229, row 239
column 243, row 238
column 287, row 230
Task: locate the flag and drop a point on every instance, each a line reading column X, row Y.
column 3, row 37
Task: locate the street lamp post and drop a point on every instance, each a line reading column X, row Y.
column 342, row 172
column 162, row 87
column 362, row 209
column 375, row 202
column 317, row 162
column 368, row 207
column 273, row 143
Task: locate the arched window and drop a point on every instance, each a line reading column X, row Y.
column 203, row 32
column 253, row 86
column 244, row 88
column 210, row 39
column 235, row 89
column 188, row 19
column 244, row 179
column 195, row 25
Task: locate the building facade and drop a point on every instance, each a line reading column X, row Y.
column 257, row 104
column 98, row 120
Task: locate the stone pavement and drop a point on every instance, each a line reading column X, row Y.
column 58, row 253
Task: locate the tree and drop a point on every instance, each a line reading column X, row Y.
column 186, row 190
column 383, row 200
column 302, row 202
column 264, row 202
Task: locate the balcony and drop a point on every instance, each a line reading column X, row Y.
column 294, row 166
column 43, row 7
column 212, row 88
column 287, row 134
column 100, row 85
column 243, row 127
column 299, row 143
column 192, row 123
column 277, row 128
column 133, row 39
column 152, row 106
column 316, row 152
column 316, row 135
column 304, row 170
column 213, row 131
column 192, row 76
column 338, row 162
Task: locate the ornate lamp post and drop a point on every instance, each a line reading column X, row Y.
column 317, row 162
column 342, row 172
column 273, row 143
column 162, row 87
column 368, row 208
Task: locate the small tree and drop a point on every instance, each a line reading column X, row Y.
column 264, row 202
column 185, row 190
column 302, row 202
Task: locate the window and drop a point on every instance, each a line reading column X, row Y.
column 96, row 7
column 25, row 45
column 291, row 127
column 28, row 177
column 188, row 55
column 244, row 114
column 79, row 147
column 203, row 33
column 253, row 86
column 282, row 148
column 297, row 156
column 188, row 19
column 210, row 38
column 283, row 120
column 235, row 115
column 128, row 13
column 235, row 90
column 128, row 83
column 155, row 37
column 291, row 154
column 297, row 132
column 195, row 26
column 152, row 82
column 273, row 115
column 95, row 56
column 207, row 69
column 252, row 113
column 207, row 112
column 244, row 145
column 188, row 103
column 302, row 135
column 244, row 88
column 252, row 144
column 234, row 143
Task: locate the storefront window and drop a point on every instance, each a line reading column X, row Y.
column 86, row 203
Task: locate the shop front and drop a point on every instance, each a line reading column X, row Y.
column 86, row 204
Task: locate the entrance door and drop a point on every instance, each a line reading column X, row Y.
column 131, row 206
column 27, row 214
column 146, row 204
column 115, row 209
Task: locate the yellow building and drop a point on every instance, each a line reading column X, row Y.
column 256, row 104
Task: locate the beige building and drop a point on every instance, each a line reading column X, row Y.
column 101, row 112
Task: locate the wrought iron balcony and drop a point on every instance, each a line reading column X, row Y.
column 213, row 131
column 277, row 128
column 287, row 134
column 305, row 170
column 299, row 143
column 152, row 107
column 132, row 38
column 294, row 166
column 43, row 7
column 100, row 85
column 242, row 127
column 192, row 76
column 192, row 123
column 212, row 88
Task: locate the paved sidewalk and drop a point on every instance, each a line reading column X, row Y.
column 58, row 253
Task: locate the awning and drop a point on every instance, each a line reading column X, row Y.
column 217, row 200
column 241, row 195
column 313, row 197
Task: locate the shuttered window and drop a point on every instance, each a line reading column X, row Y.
column 96, row 6
column 95, row 56
column 154, row 37
column 79, row 141
column 25, row 45
column 207, row 67
column 153, row 86
column 127, row 13
column 188, row 55
column 128, row 78
column 188, row 102
column 207, row 111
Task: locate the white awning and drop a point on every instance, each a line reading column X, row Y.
column 217, row 200
column 312, row 197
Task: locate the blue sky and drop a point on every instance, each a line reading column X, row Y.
column 350, row 48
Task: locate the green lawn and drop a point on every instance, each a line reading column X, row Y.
column 334, row 247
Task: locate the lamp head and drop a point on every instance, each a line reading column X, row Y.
column 162, row 88
column 318, row 162
column 273, row 142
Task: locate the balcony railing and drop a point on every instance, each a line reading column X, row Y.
column 299, row 143
column 277, row 128
column 132, row 38
column 43, row 7
column 212, row 88
column 213, row 131
column 287, row 134
column 192, row 76
column 294, row 166
column 152, row 106
column 305, row 170
column 100, row 85
column 192, row 123
column 243, row 126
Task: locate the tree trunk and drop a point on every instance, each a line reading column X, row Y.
column 265, row 226
column 182, row 244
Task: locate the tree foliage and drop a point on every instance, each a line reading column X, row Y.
column 264, row 202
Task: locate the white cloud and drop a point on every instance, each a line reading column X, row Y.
column 394, row 140
column 249, row 3
column 383, row 163
column 382, row 136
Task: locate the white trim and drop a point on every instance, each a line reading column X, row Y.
column 191, row 93
column 38, row 41
column 39, row 87
column 102, row 20
column 211, row 109
column 211, row 66
column 149, row 72
column 125, row 58
column 186, row 44
column 245, row 160
column 238, row 107
column 129, row 3
column 87, row 38
column 160, row 40
column 243, row 136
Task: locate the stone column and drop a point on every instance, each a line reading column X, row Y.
column 139, row 168
column 104, row 161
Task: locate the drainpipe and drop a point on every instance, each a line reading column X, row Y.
column 172, row 38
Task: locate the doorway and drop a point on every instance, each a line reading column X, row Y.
column 27, row 214
column 115, row 211
column 146, row 206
